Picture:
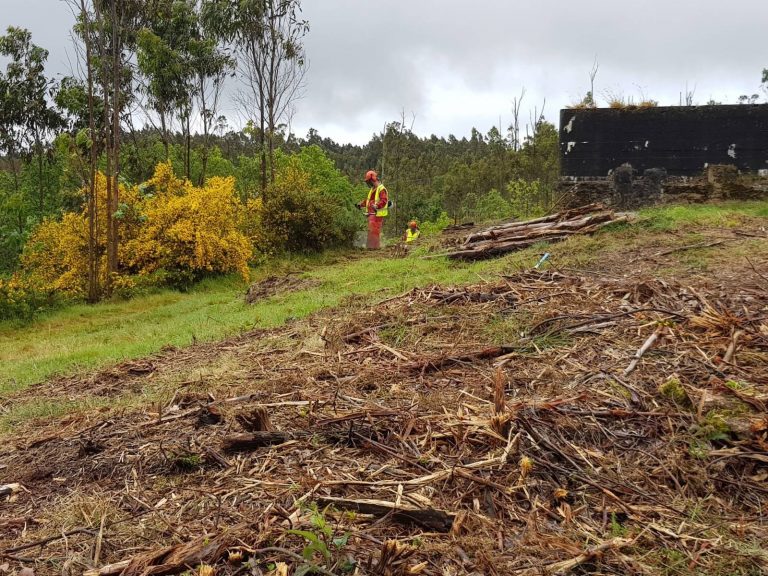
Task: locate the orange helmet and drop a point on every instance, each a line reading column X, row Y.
column 370, row 176
column 413, row 224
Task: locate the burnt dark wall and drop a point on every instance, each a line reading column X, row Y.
column 682, row 139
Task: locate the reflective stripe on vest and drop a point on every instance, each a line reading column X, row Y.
column 410, row 235
column 384, row 211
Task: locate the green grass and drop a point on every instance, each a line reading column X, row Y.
column 82, row 337
column 725, row 214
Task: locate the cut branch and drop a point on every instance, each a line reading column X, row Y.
column 430, row 518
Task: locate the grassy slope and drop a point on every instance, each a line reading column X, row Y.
column 83, row 337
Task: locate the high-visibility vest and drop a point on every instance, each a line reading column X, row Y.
column 377, row 191
column 411, row 235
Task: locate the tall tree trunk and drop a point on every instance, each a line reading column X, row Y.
column 40, row 185
column 106, row 88
column 188, row 143
column 272, row 156
column 262, row 118
column 262, row 137
column 263, row 140
column 206, row 131
column 15, row 171
column 113, row 246
column 272, row 89
column 93, row 272
column 108, row 202
column 164, row 128
column 21, row 221
column 106, row 138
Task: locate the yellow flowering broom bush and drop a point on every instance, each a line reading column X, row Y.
column 55, row 257
column 170, row 232
column 19, row 299
column 189, row 231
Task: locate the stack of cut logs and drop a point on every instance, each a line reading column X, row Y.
column 513, row 236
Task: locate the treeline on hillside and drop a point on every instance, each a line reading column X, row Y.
column 120, row 176
column 483, row 177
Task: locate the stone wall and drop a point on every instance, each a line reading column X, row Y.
column 627, row 188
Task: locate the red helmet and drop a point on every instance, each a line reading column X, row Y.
column 370, row 176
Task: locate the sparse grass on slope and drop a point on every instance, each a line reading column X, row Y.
column 83, row 337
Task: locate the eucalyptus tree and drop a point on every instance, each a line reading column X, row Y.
column 27, row 115
column 105, row 37
column 268, row 37
column 183, row 64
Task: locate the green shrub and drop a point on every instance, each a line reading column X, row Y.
column 19, row 301
column 525, row 198
column 295, row 217
column 430, row 228
column 492, row 206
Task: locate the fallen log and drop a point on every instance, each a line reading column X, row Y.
column 499, row 248
column 495, row 231
column 254, row 440
column 539, row 231
column 430, row 518
column 525, row 234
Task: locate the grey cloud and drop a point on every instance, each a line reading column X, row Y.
column 497, row 47
column 457, row 64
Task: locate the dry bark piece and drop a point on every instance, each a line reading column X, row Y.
column 257, row 420
column 566, row 566
column 7, row 490
column 642, row 350
column 254, row 440
column 168, row 560
column 430, row 518
column 210, row 416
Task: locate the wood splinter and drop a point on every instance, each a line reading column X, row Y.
column 642, row 350
column 7, row 490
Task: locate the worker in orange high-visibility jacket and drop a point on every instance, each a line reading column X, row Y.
column 376, row 207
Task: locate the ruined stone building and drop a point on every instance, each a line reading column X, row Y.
column 636, row 155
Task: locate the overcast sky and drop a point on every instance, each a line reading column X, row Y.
column 458, row 64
